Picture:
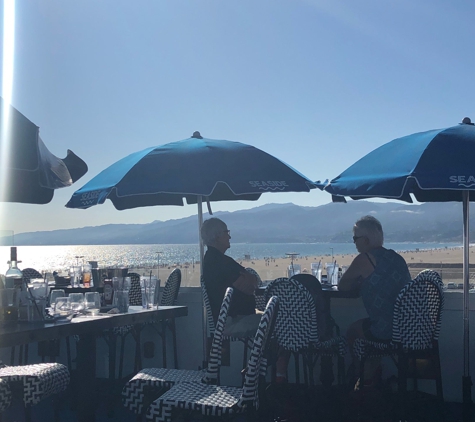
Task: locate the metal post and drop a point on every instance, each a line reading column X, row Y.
column 158, row 264
column 204, row 320
column 332, row 254
column 466, row 379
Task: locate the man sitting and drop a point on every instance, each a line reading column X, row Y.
column 220, row 272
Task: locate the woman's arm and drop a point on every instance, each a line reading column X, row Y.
column 359, row 269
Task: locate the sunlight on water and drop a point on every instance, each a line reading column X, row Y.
column 60, row 258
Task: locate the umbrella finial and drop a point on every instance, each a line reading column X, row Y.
column 197, row 135
column 467, row 121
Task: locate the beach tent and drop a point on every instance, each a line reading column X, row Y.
column 433, row 166
column 29, row 172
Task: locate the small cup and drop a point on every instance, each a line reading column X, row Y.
column 92, row 300
column 62, row 307
column 122, row 301
column 54, row 295
column 76, row 301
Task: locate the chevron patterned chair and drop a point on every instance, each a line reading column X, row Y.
column 169, row 298
column 37, row 382
column 220, row 401
column 149, row 383
column 296, row 329
column 5, row 395
column 260, row 299
column 416, row 326
column 247, row 341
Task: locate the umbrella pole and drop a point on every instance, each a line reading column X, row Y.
column 200, row 241
column 466, row 379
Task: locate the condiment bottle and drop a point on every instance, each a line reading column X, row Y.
column 108, row 291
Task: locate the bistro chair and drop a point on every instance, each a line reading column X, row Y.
column 247, row 341
column 296, row 329
column 220, row 401
column 149, row 383
column 36, row 382
column 28, row 273
column 260, row 300
column 5, row 396
column 169, row 298
column 416, row 326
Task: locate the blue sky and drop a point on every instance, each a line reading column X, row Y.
column 318, row 84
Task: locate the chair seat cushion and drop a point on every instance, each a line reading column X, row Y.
column 365, row 348
column 151, row 382
column 210, row 400
column 336, row 346
column 39, row 381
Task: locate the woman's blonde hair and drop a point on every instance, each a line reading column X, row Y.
column 372, row 229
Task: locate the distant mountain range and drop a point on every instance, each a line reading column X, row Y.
column 278, row 223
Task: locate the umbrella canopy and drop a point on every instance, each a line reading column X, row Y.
column 30, row 172
column 433, row 166
column 216, row 170
column 195, row 169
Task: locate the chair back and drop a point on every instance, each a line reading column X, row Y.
column 256, row 360
column 296, row 323
column 29, row 273
column 171, row 289
column 209, row 313
column 254, row 273
column 135, row 293
column 418, row 312
column 214, row 361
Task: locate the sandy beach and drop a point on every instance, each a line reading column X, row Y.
column 269, row 269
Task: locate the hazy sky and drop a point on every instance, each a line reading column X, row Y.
column 318, row 84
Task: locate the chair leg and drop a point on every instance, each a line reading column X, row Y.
column 244, row 355
column 297, row 367
column 164, row 342
column 438, row 374
column 402, row 384
column 121, row 356
column 27, row 413
column 138, row 351
column 175, row 351
column 68, row 353
column 362, row 380
column 341, row 370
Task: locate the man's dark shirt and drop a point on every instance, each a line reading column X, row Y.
column 220, row 272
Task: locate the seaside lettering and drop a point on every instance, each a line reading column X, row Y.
column 462, row 179
column 90, row 195
column 268, row 184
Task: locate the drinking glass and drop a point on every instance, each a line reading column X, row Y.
column 54, row 295
column 93, row 300
column 62, row 306
column 75, row 274
column 77, row 301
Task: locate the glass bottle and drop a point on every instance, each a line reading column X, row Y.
column 13, row 276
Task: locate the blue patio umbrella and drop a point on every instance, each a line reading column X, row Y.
column 195, row 169
column 433, row 166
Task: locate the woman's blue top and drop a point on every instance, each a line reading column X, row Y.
column 379, row 291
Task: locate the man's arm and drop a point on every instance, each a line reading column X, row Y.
column 246, row 282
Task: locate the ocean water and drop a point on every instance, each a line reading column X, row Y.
column 50, row 258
